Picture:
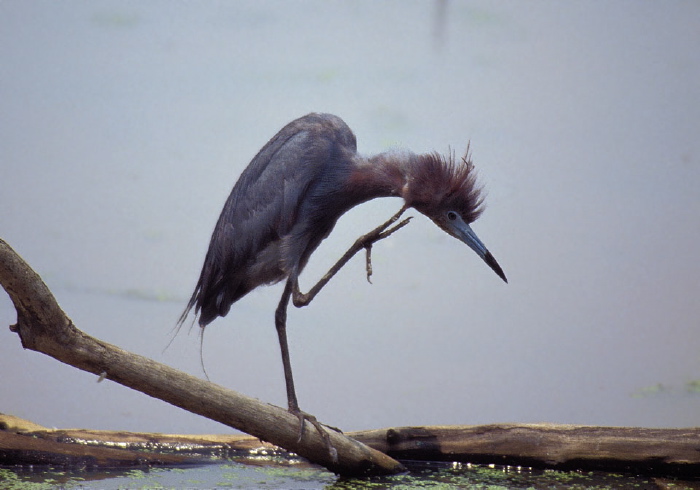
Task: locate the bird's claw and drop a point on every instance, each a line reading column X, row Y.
column 368, row 263
column 382, row 232
column 303, row 416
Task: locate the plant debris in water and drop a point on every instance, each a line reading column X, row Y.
column 257, row 474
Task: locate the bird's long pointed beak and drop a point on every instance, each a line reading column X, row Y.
column 464, row 232
column 491, row 261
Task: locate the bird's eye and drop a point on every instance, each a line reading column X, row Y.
column 451, row 215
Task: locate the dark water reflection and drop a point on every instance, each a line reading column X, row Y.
column 276, row 474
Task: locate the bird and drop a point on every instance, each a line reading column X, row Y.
column 289, row 198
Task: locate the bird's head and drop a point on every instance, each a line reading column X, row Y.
column 446, row 191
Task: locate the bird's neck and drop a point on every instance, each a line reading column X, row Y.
column 384, row 175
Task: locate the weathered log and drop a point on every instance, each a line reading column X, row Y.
column 635, row 449
column 42, row 326
column 151, row 441
column 661, row 452
column 28, row 449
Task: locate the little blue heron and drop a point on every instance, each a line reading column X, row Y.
column 288, row 200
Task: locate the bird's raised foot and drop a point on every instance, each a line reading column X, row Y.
column 379, row 233
column 300, row 299
column 303, row 417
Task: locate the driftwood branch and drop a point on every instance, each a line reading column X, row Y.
column 558, row 446
column 42, row 326
column 655, row 452
column 41, row 449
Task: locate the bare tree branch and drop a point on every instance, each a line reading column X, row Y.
column 42, row 326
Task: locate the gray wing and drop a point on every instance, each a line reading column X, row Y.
column 245, row 249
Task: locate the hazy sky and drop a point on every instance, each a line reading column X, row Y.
column 124, row 125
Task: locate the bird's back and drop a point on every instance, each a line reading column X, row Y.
column 271, row 222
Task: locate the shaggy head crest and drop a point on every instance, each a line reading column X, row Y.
column 441, row 183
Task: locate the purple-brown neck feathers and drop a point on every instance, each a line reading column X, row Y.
column 429, row 182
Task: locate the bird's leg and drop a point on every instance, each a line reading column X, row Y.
column 281, row 325
column 364, row 242
column 292, row 290
column 292, row 403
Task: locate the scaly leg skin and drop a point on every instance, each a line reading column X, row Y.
column 293, row 405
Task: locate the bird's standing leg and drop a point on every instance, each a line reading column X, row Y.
column 281, row 325
column 291, row 289
column 364, row 242
column 292, row 403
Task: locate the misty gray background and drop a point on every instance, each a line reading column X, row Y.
column 124, row 125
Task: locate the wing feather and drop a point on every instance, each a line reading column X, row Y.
column 246, row 249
